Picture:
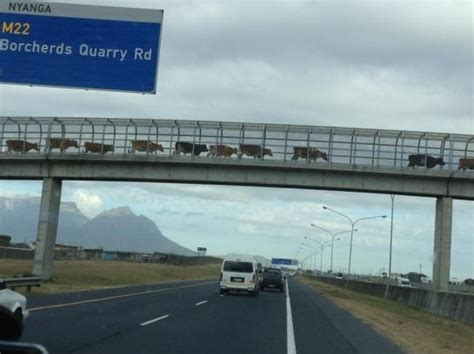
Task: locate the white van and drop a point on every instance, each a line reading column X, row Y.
column 239, row 273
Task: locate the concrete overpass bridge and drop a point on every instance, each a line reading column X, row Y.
column 358, row 160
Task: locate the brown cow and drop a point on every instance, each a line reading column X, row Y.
column 221, row 150
column 254, row 150
column 145, row 145
column 98, row 148
column 466, row 164
column 62, row 144
column 312, row 154
column 21, row 145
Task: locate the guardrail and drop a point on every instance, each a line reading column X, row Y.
column 294, row 144
column 20, row 282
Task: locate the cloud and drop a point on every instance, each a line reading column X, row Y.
column 247, row 228
column 87, row 201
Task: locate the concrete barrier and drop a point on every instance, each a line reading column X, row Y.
column 456, row 306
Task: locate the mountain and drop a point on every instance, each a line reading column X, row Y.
column 19, row 218
column 120, row 229
column 115, row 229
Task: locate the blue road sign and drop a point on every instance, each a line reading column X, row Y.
column 282, row 261
column 80, row 46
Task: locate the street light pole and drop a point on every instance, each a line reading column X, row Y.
column 321, row 244
column 333, row 236
column 314, row 250
column 350, row 248
column 392, row 196
column 308, row 255
column 322, row 249
column 353, row 223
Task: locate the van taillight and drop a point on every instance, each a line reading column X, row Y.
column 220, row 279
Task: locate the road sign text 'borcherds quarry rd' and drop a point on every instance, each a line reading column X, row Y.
column 79, row 46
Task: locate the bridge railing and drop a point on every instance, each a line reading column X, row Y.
column 352, row 146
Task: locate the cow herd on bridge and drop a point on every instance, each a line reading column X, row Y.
column 183, row 147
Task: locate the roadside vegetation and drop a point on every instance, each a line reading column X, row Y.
column 86, row 275
column 414, row 330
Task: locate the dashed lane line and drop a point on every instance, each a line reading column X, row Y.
column 154, row 320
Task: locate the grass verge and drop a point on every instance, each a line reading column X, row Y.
column 86, row 275
column 416, row 331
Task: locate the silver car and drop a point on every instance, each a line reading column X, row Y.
column 13, row 301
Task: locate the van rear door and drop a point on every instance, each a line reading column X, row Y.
column 238, row 272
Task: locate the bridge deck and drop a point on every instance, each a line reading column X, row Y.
column 351, row 159
column 248, row 172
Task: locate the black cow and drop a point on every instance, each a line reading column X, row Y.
column 187, row 148
column 424, row 160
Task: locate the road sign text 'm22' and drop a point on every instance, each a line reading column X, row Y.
column 80, row 46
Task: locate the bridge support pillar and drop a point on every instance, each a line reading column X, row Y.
column 47, row 228
column 442, row 243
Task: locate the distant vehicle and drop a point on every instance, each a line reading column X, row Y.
column 469, row 281
column 338, row 275
column 239, row 274
column 13, row 301
column 259, row 273
column 425, row 279
column 404, row 282
column 273, row 278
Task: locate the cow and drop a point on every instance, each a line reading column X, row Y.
column 222, row 150
column 62, row 144
column 254, row 150
column 466, row 164
column 98, row 148
column 145, row 145
column 21, row 145
column 311, row 154
column 187, row 148
column 424, row 161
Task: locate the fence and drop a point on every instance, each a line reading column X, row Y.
column 353, row 146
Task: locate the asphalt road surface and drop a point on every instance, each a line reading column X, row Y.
column 191, row 317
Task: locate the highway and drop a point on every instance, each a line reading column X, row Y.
column 191, row 317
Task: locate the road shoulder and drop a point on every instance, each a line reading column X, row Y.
column 413, row 330
column 319, row 323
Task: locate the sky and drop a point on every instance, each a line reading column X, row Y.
column 373, row 64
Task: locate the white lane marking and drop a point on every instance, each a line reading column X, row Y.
column 200, row 303
column 154, row 320
column 290, row 334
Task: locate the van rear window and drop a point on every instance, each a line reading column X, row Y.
column 241, row 267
